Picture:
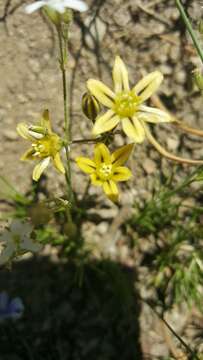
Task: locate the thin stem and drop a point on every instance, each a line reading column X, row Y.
column 63, row 59
column 187, row 128
column 167, row 154
column 161, row 317
column 176, row 122
column 189, row 28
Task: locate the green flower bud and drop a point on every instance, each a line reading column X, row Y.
column 53, row 15
column 200, row 27
column 40, row 214
column 90, row 106
column 57, row 18
column 67, row 17
column 198, row 79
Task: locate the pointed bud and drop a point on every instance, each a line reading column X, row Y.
column 58, row 18
column 200, row 27
column 198, row 78
column 90, row 106
column 67, row 17
column 53, row 15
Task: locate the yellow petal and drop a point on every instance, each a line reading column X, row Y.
column 133, row 129
column 120, row 156
column 101, row 92
column 111, row 190
column 121, row 173
column 28, row 155
column 23, row 131
column 148, row 85
column 45, row 121
column 58, row 163
column 101, row 154
column 86, row 165
column 153, row 115
column 120, row 76
column 95, row 180
column 105, row 123
column 39, row 168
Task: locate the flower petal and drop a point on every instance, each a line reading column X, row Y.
column 153, row 115
column 95, row 180
column 101, row 154
column 27, row 243
column 121, row 173
column 76, row 5
column 133, row 129
column 45, row 121
column 24, row 132
column 101, row 92
column 120, row 76
column 111, row 190
column 120, row 156
column 86, row 165
column 105, row 123
column 8, row 251
column 39, row 168
column 28, row 155
column 58, row 163
column 15, row 308
column 148, row 85
column 20, row 227
column 34, row 6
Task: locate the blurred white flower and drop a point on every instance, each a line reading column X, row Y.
column 17, row 240
column 57, row 5
column 10, row 308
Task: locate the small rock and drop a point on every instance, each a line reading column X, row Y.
column 102, row 228
column 172, row 144
column 149, row 166
column 10, row 134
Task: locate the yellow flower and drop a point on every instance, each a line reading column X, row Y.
column 106, row 169
column 46, row 145
column 126, row 105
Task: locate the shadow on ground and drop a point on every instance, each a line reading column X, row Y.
column 71, row 312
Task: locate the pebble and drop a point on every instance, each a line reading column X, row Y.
column 149, row 166
column 172, row 144
column 10, row 134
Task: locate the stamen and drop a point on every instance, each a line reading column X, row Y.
column 126, row 103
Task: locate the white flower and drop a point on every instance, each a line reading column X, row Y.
column 57, row 5
column 17, row 240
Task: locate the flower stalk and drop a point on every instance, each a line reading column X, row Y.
column 189, row 28
column 166, row 153
column 63, row 62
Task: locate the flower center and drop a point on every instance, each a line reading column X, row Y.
column 47, row 146
column 126, row 103
column 104, row 171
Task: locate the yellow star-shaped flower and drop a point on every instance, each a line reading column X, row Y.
column 125, row 104
column 106, row 169
column 46, row 145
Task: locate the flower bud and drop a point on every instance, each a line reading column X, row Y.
column 40, row 214
column 67, row 17
column 200, row 27
column 58, row 18
column 198, row 78
column 90, row 106
column 53, row 15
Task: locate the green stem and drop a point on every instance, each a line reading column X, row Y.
column 63, row 59
column 189, row 28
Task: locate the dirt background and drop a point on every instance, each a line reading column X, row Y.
column 148, row 35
